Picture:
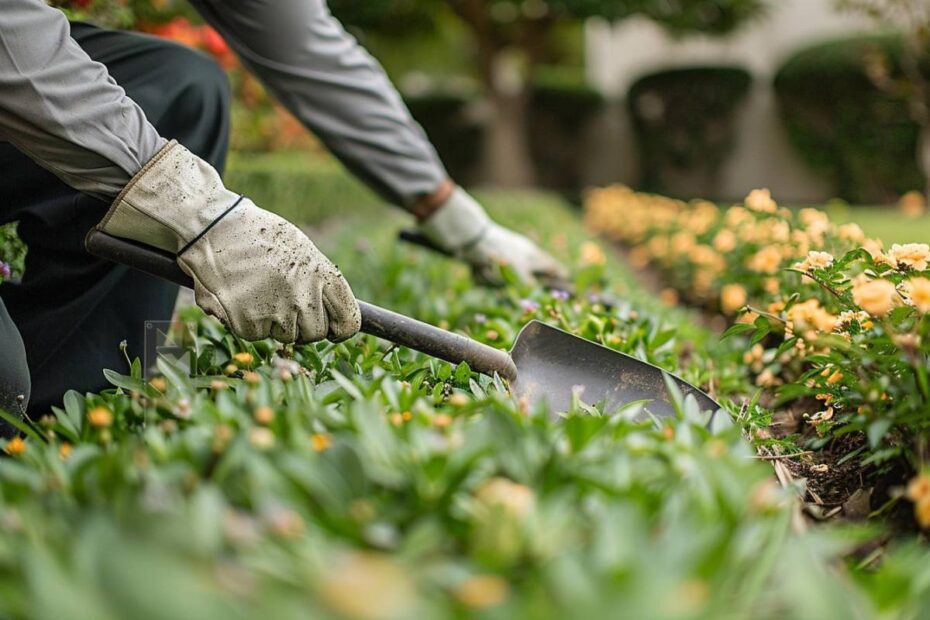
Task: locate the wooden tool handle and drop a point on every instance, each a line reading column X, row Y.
column 376, row 321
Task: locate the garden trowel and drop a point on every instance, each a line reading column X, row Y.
column 545, row 365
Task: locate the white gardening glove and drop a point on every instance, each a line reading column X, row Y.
column 253, row 270
column 463, row 228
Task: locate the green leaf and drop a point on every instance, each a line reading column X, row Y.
column 736, row 329
column 876, row 431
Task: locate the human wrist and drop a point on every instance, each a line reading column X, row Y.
column 427, row 204
column 458, row 224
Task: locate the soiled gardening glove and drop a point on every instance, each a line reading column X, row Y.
column 255, row 271
column 463, row 228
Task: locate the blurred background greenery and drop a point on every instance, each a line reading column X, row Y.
column 508, row 92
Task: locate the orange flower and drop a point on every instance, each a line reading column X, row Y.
column 100, row 417
column 482, row 591
column 244, row 358
column 15, row 446
column 264, row 414
column 321, row 441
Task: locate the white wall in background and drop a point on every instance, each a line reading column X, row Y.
column 617, row 55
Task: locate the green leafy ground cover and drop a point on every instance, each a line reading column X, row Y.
column 360, row 480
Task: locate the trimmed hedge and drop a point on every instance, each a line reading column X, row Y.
column 455, row 134
column 562, row 110
column 305, row 188
column 845, row 127
column 684, row 125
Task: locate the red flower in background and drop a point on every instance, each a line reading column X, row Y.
column 203, row 38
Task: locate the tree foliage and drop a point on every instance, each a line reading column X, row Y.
column 713, row 16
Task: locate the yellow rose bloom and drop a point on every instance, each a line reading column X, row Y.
column 918, row 292
column 877, row 297
column 725, row 241
column 732, row 298
column 910, row 255
column 766, row 260
column 761, row 200
column 816, row 260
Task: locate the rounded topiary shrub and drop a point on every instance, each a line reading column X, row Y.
column 852, row 131
column 455, row 134
column 562, row 111
column 684, row 121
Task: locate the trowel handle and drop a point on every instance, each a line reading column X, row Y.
column 376, row 321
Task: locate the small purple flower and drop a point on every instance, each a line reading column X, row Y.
column 560, row 295
column 481, row 319
column 529, row 305
column 4, row 271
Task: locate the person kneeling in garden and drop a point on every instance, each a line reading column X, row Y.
column 129, row 133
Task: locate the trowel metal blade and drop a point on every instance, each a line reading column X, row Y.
column 552, row 364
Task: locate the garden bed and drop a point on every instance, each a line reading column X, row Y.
column 838, row 330
column 365, row 481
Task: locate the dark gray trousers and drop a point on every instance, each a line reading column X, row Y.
column 64, row 322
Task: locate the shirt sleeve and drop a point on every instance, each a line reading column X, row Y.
column 63, row 109
column 322, row 75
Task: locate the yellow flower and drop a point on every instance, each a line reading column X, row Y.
column 516, row 499
column 321, row 441
column 808, row 319
column 442, row 420
column 64, row 450
column 835, row 378
column 459, row 400
column 918, row 489
column 367, row 586
column 852, row 233
column 592, row 254
column 737, row 216
column 159, row 384
column 15, row 446
column 732, row 298
column 244, row 358
column 877, row 297
column 725, row 241
column 668, row 296
column 261, row 437
column 264, row 415
column 100, row 417
column 918, row 292
column 766, row 260
column 761, row 200
column 482, row 591
column 912, row 204
column 910, row 255
column 817, row 260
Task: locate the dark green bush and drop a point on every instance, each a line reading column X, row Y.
column 562, row 108
column 684, row 125
column 455, row 134
column 843, row 125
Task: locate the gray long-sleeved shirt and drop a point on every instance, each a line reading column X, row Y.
column 65, row 111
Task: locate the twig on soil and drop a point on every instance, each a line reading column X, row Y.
column 775, row 457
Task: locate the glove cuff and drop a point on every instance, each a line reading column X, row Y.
column 458, row 224
column 170, row 202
